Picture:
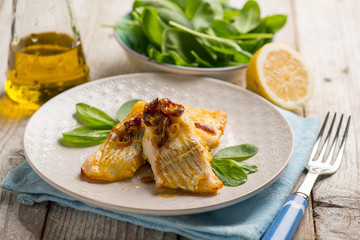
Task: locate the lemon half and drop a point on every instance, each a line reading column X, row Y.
column 281, row 75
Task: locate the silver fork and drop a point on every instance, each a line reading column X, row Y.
column 288, row 219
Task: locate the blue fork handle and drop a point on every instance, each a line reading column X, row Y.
column 288, row 219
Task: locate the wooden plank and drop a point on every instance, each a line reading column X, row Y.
column 17, row 221
column 328, row 34
column 104, row 55
column 333, row 222
column 67, row 223
column 5, row 28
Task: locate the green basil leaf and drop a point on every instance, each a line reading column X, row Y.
column 93, row 115
column 87, row 135
column 125, row 109
column 237, row 153
column 249, row 17
column 229, row 172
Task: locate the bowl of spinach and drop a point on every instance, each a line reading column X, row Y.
column 195, row 37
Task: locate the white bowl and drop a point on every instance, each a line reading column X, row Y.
column 233, row 74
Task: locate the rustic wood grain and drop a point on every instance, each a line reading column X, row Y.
column 5, row 19
column 328, row 38
column 67, row 223
column 17, row 221
column 103, row 54
column 333, row 222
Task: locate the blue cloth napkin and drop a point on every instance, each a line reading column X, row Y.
column 246, row 220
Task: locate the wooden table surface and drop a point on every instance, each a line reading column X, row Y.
column 325, row 32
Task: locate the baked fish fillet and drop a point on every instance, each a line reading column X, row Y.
column 177, row 153
column 210, row 124
column 121, row 154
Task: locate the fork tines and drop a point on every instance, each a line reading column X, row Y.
column 323, row 148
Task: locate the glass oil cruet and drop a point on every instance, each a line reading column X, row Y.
column 45, row 55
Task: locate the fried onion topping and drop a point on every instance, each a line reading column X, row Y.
column 157, row 113
column 125, row 133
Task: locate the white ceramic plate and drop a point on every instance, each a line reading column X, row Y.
column 250, row 120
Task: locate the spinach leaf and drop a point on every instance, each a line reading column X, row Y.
column 93, row 115
column 203, row 16
column 274, row 23
column 270, row 24
column 217, row 7
column 125, row 109
column 241, row 58
column 246, row 36
column 252, row 45
column 216, row 35
column 248, row 167
column 229, row 172
column 249, row 17
column 179, row 60
column 87, row 135
column 191, row 6
column 180, row 3
column 182, row 43
column 224, row 29
column 130, row 32
column 200, row 61
column 231, row 14
column 228, row 166
column 237, row 153
column 222, row 45
column 167, row 10
column 229, row 47
column 160, row 57
column 151, row 25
